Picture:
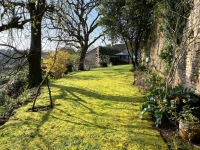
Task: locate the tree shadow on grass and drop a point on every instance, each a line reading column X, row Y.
column 78, row 120
column 67, row 89
column 82, row 122
column 86, row 77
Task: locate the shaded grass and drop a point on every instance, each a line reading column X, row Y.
column 96, row 109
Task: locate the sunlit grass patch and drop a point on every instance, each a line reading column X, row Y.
column 96, row 109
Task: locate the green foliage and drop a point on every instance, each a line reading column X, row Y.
column 141, row 67
column 167, row 52
column 104, row 60
column 187, row 114
column 103, row 64
column 17, row 84
column 74, row 56
column 13, row 93
column 3, row 94
column 129, row 20
column 180, row 144
column 73, row 59
column 156, row 104
column 174, row 16
column 2, row 109
column 182, row 102
column 115, row 60
column 48, row 78
column 154, row 80
column 173, row 105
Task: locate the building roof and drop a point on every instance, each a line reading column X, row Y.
column 119, row 46
column 121, row 54
column 108, row 50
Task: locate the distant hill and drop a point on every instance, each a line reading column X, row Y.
column 4, row 59
column 7, row 60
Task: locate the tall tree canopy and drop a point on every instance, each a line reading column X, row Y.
column 127, row 21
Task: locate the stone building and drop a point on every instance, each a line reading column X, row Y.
column 102, row 53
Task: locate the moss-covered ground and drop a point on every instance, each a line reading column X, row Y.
column 93, row 110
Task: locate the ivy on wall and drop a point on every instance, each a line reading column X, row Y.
column 174, row 15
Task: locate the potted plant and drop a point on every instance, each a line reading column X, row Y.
column 188, row 124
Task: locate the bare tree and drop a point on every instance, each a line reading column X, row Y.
column 10, row 16
column 22, row 12
column 78, row 21
column 12, row 59
column 15, row 14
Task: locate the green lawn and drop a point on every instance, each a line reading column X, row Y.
column 93, row 110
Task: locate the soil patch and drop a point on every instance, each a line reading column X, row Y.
column 40, row 108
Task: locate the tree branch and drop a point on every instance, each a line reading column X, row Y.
column 14, row 23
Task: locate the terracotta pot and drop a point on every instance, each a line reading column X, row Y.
column 189, row 130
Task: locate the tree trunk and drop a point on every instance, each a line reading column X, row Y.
column 136, row 58
column 82, row 59
column 34, row 59
column 132, row 50
column 136, row 52
column 36, row 10
column 137, row 45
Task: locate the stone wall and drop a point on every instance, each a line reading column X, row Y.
column 102, row 53
column 92, row 58
column 188, row 71
column 156, row 43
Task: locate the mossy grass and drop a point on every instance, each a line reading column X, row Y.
column 93, row 110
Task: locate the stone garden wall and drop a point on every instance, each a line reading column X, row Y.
column 155, row 46
column 188, row 70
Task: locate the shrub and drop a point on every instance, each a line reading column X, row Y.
column 74, row 60
column 11, row 92
column 17, row 84
column 49, row 78
column 180, row 98
column 156, row 104
column 170, row 105
column 115, row 60
column 69, row 68
column 103, row 64
column 3, row 94
column 59, row 67
column 154, row 80
column 142, row 67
